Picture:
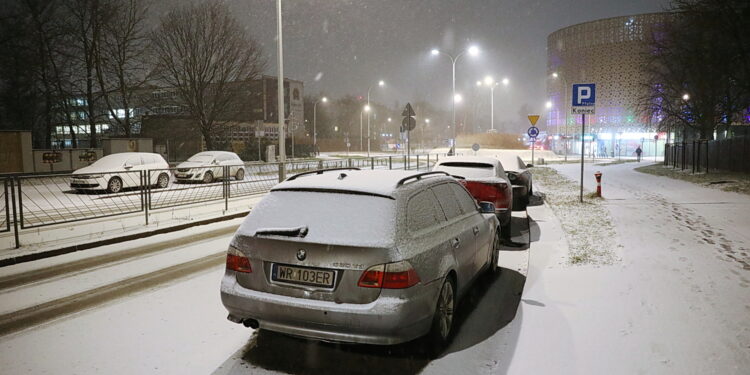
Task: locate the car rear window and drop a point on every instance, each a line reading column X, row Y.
column 467, row 169
column 330, row 217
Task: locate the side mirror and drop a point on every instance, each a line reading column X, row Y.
column 487, row 207
column 529, row 165
column 214, row 162
column 127, row 166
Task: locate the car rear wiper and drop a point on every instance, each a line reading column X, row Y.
column 288, row 232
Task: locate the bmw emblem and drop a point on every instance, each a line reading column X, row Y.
column 301, row 254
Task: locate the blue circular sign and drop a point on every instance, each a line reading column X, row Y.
column 533, row 132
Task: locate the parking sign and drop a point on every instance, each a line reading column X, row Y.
column 584, row 99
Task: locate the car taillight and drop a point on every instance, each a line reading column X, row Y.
column 486, row 191
column 236, row 261
column 399, row 275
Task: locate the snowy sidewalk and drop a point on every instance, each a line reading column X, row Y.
column 676, row 302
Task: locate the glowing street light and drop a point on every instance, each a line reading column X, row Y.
column 472, row 51
column 381, row 83
column 457, row 98
column 315, row 122
column 506, row 81
column 548, row 105
column 490, row 82
column 685, row 97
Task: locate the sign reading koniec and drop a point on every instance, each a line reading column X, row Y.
column 584, row 99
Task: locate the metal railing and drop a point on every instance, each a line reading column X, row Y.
column 699, row 156
column 4, row 212
column 33, row 201
column 55, row 199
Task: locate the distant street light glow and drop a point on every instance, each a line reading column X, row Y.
column 457, row 98
column 548, row 105
column 554, row 74
column 381, row 83
column 505, row 81
column 324, row 99
column 489, row 80
column 367, row 108
column 473, row 50
column 685, row 97
column 435, row 51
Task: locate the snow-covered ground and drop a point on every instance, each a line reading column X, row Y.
column 676, row 302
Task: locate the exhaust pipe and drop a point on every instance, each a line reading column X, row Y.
column 251, row 323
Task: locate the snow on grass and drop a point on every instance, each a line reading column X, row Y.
column 587, row 226
column 727, row 181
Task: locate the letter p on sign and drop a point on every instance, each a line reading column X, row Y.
column 584, row 95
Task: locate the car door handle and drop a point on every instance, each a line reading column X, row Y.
column 476, row 230
column 456, row 243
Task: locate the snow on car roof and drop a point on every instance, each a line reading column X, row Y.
column 468, row 159
column 380, row 182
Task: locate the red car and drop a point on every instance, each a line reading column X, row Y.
column 485, row 179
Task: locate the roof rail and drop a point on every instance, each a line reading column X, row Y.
column 321, row 171
column 419, row 176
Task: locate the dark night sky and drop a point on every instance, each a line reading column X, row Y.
column 350, row 44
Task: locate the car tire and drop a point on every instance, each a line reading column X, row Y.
column 208, row 177
column 114, row 185
column 240, row 175
column 162, row 181
column 496, row 244
column 442, row 321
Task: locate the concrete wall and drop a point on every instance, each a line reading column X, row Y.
column 70, row 159
column 15, row 152
column 118, row 145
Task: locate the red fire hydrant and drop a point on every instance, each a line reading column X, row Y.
column 598, row 176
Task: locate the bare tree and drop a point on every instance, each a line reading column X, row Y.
column 206, row 56
column 121, row 60
column 695, row 68
column 85, row 19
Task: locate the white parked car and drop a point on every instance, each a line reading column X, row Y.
column 119, row 171
column 208, row 166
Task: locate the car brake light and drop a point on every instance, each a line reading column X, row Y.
column 399, row 275
column 236, row 261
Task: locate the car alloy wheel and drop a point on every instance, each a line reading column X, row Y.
column 208, row 177
column 444, row 310
column 114, row 185
column 240, row 175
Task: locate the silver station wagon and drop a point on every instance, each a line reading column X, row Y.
column 374, row 257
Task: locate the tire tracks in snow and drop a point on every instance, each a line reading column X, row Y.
column 48, row 311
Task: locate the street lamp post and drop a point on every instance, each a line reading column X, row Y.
column 473, row 51
column 315, row 127
column 381, row 83
column 556, row 75
column 280, row 90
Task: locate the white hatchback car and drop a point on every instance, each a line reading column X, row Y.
column 119, row 171
column 208, row 166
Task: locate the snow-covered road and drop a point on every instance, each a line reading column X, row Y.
column 178, row 325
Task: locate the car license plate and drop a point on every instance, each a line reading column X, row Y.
column 303, row 276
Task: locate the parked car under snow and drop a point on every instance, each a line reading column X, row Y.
column 376, row 257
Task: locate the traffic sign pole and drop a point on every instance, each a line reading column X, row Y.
column 583, row 150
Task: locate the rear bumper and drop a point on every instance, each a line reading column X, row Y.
column 395, row 317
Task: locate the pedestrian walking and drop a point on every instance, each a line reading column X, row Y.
column 638, row 153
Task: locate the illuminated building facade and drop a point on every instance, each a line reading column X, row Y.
column 610, row 53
